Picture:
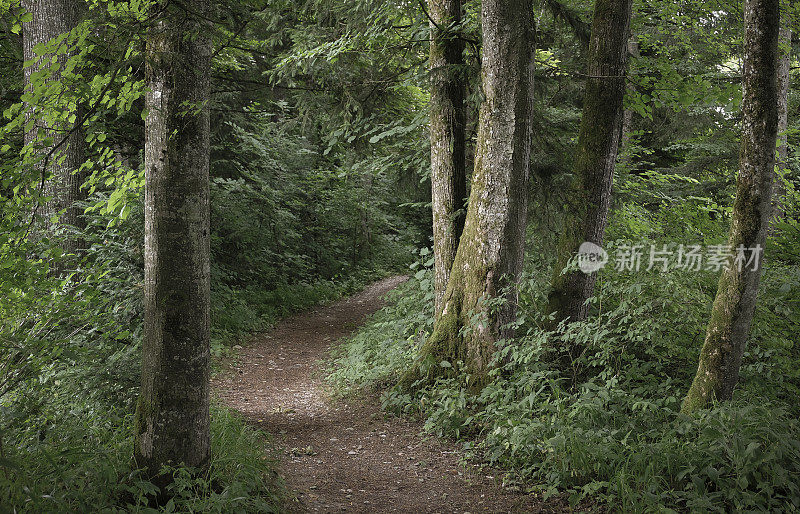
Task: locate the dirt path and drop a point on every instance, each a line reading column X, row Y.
column 347, row 456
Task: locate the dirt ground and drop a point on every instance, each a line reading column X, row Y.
column 347, row 456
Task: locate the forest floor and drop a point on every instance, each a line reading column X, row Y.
column 346, row 455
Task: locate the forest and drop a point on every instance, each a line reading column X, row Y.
column 399, row 256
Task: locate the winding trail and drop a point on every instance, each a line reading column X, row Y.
column 346, row 456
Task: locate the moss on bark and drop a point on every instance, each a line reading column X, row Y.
column 480, row 298
column 734, row 305
column 598, row 142
column 448, row 138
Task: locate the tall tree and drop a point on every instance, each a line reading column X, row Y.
column 447, row 132
column 491, row 249
column 627, row 114
column 58, row 148
column 172, row 418
column 784, row 71
column 729, row 327
column 598, row 142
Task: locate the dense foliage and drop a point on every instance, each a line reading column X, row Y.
column 592, row 410
column 605, row 422
column 320, row 183
column 310, row 200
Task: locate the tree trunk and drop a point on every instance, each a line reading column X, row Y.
column 447, row 132
column 490, row 254
column 784, row 65
column 627, row 114
column 57, row 166
column 172, row 418
column 598, row 142
column 735, row 302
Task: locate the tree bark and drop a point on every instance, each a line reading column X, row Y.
column 172, row 418
column 784, row 69
column 447, row 133
column 729, row 326
column 627, row 114
column 58, row 167
column 598, row 142
column 481, row 294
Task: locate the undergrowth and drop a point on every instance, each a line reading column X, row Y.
column 86, row 465
column 607, row 424
column 240, row 311
column 69, row 378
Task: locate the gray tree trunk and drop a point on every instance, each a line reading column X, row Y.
column 447, row 132
column 58, row 166
column 490, row 254
column 627, row 114
column 784, row 68
column 598, row 142
column 172, row 418
column 729, row 327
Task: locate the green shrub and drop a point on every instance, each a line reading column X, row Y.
column 81, row 461
column 605, row 421
column 376, row 355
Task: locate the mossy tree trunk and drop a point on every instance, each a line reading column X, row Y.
column 490, row 253
column 172, row 418
column 729, row 326
column 447, row 132
column 598, row 142
column 58, row 149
